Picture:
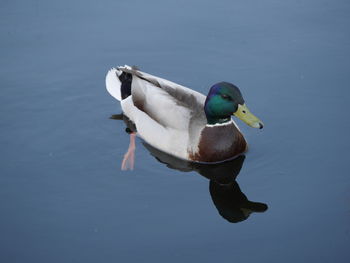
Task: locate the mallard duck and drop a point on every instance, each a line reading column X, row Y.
column 180, row 121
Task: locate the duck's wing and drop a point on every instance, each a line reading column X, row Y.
column 169, row 104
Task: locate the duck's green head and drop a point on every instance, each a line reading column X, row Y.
column 224, row 100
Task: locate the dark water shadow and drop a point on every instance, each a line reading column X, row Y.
column 231, row 203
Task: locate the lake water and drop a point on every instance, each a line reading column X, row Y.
column 63, row 197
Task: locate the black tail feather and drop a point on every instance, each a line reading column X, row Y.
column 126, row 79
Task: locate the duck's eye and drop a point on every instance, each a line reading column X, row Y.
column 226, row 97
column 243, row 111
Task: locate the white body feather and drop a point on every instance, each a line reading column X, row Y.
column 171, row 133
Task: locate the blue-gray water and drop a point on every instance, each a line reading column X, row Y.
column 63, row 197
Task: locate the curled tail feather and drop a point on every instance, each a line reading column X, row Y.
column 118, row 83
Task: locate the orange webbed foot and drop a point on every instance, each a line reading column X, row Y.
column 129, row 157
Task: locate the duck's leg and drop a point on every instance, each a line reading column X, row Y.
column 129, row 157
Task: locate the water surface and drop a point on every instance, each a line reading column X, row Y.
column 63, row 196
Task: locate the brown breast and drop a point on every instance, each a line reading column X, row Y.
column 219, row 143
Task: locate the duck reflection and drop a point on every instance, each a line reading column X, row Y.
column 231, row 203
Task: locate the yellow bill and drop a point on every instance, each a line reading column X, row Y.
column 245, row 115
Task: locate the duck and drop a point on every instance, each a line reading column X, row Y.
column 181, row 121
